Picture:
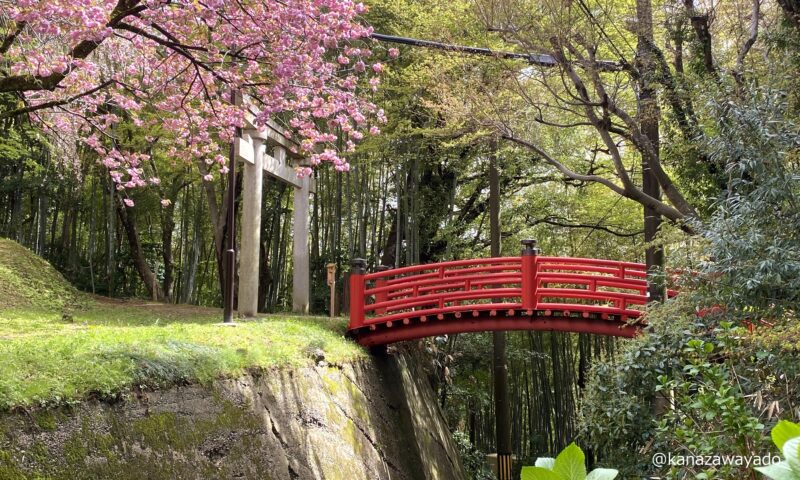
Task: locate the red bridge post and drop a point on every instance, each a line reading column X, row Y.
column 528, row 284
column 358, row 267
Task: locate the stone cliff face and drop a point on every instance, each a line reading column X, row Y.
column 377, row 419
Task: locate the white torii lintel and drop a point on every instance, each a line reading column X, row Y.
column 252, row 148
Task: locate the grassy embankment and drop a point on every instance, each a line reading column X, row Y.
column 59, row 346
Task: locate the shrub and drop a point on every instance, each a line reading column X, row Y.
column 786, row 436
column 570, row 464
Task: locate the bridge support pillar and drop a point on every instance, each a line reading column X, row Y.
column 358, row 268
column 528, row 284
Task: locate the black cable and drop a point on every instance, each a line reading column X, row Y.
column 538, row 59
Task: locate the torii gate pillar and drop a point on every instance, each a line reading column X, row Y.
column 252, row 148
column 251, row 231
column 300, row 250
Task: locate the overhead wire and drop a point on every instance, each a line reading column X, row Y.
column 538, row 59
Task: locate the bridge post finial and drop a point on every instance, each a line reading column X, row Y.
column 358, row 267
column 530, row 247
column 528, row 283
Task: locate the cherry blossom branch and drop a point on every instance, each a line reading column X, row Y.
column 23, row 83
column 55, row 103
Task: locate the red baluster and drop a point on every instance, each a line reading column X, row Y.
column 381, row 296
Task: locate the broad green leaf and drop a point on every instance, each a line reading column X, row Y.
column 602, row 474
column 791, row 454
column 570, row 463
column 538, row 473
column 545, row 462
column 777, row 471
column 784, row 431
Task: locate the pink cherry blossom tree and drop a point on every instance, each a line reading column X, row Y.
column 81, row 67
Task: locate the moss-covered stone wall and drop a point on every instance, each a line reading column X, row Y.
column 377, row 419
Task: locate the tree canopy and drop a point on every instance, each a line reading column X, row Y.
column 174, row 68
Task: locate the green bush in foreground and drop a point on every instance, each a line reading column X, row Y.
column 570, row 464
column 786, row 436
column 473, row 460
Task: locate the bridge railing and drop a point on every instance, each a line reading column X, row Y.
column 530, row 284
column 430, row 290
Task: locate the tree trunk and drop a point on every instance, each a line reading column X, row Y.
column 649, row 115
column 140, row 263
column 41, row 231
column 111, row 230
column 702, row 32
column 193, row 258
column 167, row 230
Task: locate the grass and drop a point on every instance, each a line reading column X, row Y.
column 27, row 280
column 59, row 346
column 111, row 347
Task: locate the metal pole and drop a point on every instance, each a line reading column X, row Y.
column 502, row 411
column 230, row 240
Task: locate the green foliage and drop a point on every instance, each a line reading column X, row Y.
column 722, row 382
column 786, row 436
column 570, row 464
column 616, row 414
column 473, row 460
column 710, row 414
column 753, row 253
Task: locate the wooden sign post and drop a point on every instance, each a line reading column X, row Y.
column 332, row 283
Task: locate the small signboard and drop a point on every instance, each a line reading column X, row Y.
column 331, row 273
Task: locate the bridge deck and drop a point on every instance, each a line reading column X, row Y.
column 529, row 292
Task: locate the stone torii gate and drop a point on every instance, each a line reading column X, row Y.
column 269, row 150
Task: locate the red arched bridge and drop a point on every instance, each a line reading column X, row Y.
column 529, row 292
